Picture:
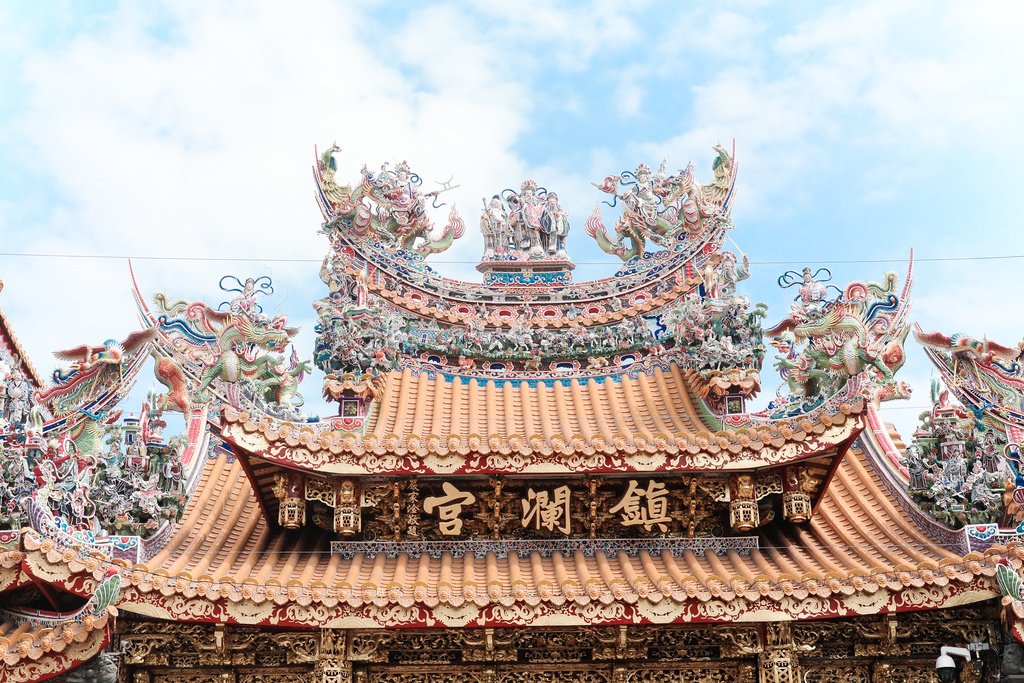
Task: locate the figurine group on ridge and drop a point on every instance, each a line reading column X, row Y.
column 529, row 223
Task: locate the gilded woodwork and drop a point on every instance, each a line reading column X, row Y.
column 695, row 673
column 696, row 512
column 595, row 507
column 778, row 661
column 896, row 648
column 167, row 644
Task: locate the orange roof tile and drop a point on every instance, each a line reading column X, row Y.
column 33, row 653
column 859, row 554
column 423, row 422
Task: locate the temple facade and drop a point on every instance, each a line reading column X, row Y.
column 525, row 477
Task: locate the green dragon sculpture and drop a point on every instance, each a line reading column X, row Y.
column 282, row 387
column 230, row 346
column 863, row 330
column 387, row 206
column 661, row 208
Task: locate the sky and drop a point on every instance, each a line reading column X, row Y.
column 180, row 133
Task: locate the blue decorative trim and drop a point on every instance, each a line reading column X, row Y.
column 532, row 383
column 981, row 537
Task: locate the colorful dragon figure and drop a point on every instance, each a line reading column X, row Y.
column 99, row 376
column 282, row 388
column 227, row 345
column 89, row 435
column 661, row 208
column 169, row 373
column 987, row 377
column 387, row 206
column 825, row 343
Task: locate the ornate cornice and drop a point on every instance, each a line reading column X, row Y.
column 487, row 600
column 323, row 449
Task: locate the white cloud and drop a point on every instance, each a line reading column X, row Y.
column 192, row 133
column 201, row 144
column 188, row 129
column 629, row 97
column 899, row 80
column 723, row 35
column 570, row 36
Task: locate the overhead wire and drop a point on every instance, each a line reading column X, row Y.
column 278, row 259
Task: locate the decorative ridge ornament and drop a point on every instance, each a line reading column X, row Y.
column 987, row 379
column 824, row 343
column 387, row 206
column 233, row 349
column 663, row 209
column 524, row 238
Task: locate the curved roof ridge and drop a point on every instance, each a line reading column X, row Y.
column 620, row 405
column 8, row 337
column 876, row 447
column 639, row 275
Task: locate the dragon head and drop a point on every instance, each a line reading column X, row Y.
column 892, row 391
column 263, row 332
column 809, row 324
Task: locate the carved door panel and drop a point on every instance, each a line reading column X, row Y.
column 255, row 675
column 196, row 676
column 638, row 672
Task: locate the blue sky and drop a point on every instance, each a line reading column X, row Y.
column 187, row 129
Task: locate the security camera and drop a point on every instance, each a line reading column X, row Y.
column 945, row 665
column 945, row 668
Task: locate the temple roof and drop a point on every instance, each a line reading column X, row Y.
column 35, row 652
column 861, row 553
column 647, row 421
column 37, row 644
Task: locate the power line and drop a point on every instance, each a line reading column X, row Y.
column 277, row 259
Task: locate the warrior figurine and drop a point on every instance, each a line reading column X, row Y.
column 641, row 198
column 916, row 468
column 988, row 451
column 811, row 302
column 526, row 218
column 405, row 201
column 18, row 397
column 554, row 225
column 495, row 228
